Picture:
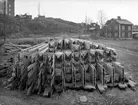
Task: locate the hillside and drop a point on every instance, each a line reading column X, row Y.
column 55, row 25
column 25, row 25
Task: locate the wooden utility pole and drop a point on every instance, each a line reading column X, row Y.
column 4, row 14
column 39, row 9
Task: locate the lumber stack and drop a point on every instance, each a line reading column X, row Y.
column 67, row 63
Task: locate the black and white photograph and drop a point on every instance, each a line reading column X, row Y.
column 68, row 52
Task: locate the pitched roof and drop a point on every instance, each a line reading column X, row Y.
column 123, row 21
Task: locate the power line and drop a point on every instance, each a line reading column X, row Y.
column 86, row 18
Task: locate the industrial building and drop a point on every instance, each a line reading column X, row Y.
column 7, row 7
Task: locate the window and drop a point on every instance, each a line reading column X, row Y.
column 9, row 10
column 123, row 34
column 116, row 27
column 126, row 27
column 9, row 5
column 123, row 27
column 129, row 34
column 129, row 28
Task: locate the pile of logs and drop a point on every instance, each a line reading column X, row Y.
column 11, row 48
column 67, row 63
column 7, row 50
column 3, row 70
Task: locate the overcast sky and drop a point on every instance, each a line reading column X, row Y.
column 76, row 10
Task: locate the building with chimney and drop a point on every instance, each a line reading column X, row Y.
column 118, row 28
column 7, row 7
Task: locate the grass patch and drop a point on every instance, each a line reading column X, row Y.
column 131, row 45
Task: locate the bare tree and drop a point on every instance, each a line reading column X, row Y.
column 102, row 17
column 89, row 20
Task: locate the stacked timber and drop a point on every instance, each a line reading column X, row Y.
column 67, row 63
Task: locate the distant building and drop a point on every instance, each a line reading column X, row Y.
column 118, row 28
column 94, row 28
column 40, row 17
column 24, row 17
column 135, row 31
column 8, row 6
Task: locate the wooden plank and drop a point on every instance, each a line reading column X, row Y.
column 122, row 86
column 31, row 66
column 90, row 87
column 131, row 84
column 100, row 87
column 33, row 46
column 47, row 92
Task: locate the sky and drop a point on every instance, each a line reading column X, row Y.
column 77, row 10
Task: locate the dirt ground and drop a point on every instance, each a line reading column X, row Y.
column 71, row 97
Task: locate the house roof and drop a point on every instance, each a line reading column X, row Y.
column 123, row 21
